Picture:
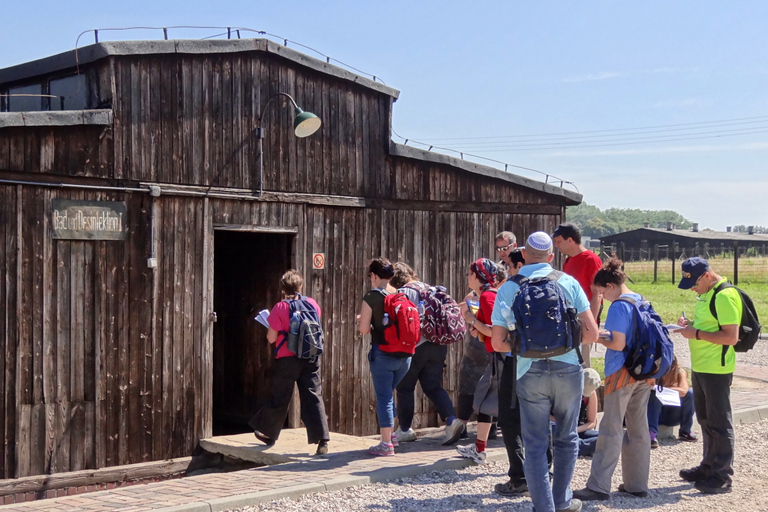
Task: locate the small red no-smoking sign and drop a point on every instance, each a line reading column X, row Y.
column 318, row 261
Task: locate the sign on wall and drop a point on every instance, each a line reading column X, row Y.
column 88, row 220
column 318, row 261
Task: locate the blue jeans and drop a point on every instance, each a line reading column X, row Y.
column 669, row 415
column 550, row 386
column 386, row 373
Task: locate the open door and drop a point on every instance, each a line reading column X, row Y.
column 247, row 271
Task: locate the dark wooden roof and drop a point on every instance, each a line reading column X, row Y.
column 683, row 234
column 94, row 52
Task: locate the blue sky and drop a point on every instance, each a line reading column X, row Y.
column 498, row 79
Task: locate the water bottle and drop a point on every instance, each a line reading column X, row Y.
column 295, row 323
column 421, row 308
column 385, row 321
column 509, row 317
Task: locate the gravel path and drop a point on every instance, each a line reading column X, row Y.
column 471, row 488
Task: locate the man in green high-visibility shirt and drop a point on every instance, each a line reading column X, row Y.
column 713, row 362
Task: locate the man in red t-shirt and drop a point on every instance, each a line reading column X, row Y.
column 582, row 264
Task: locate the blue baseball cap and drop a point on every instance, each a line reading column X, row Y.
column 693, row 269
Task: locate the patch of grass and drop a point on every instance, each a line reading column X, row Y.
column 669, row 301
column 598, row 363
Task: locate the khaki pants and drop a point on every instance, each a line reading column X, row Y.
column 628, row 403
column 586, row 351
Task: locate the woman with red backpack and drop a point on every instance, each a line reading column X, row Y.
column 388, row 365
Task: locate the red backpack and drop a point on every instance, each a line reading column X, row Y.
column 404, row 329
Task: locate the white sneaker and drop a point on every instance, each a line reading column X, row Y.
column 453, row 432
column 470, row 452
column 405, row 437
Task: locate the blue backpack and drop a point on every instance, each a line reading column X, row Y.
column 305, row 335
column 650, row 351
column 546, row 326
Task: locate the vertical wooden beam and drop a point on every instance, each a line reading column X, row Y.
column 206, row 411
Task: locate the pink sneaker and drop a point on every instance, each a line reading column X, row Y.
column 382, row 450
column 394, row 441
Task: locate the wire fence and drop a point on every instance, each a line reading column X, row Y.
column 661, row 263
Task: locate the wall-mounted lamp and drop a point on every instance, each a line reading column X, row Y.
column 304, row 125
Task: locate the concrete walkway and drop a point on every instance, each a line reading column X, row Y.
column 353, row 467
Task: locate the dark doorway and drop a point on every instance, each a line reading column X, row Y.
column 247, row 270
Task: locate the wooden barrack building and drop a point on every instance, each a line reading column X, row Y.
column 136, row 246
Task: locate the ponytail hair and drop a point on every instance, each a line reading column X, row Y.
column 611, row 273
column 382, row 268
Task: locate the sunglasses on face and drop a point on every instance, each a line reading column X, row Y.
column 505, row 248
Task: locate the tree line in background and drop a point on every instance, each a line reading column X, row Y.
column 596, row 223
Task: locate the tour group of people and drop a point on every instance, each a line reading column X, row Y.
column 545, row 408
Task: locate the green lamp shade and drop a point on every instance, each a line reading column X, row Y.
column 306, row 123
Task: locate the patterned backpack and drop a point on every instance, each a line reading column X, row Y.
column 442, row 322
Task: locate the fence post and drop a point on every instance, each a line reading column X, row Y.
column 655, row 262
column 674, row 260
column 735, row 262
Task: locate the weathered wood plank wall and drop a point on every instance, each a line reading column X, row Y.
column 108, row 362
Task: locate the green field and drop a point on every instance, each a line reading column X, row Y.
column 752, row 270
column 670, row 301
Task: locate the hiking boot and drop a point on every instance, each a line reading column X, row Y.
column 694, row 474
column 382, row 450
column 713, row 484
column 654, row 444
column 453, row 432
column 405, row 437
column 470, row 452
column 508, row 488
column 587, row 494
column 575, row 506
column 264, row 439
column 688, row 437
column 322, row 448
column 639, row 494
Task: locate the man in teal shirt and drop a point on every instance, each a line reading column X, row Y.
column 713, row 362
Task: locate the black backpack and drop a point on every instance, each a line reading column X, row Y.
column 305, row 335
column 749, row 329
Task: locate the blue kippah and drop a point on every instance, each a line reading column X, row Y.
column 539, row 241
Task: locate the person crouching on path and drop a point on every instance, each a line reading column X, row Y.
column 546, row 386
column 676, row 379
column 626, row 399
column 387, row 370
column 288, row 370
column 481, row 277
column 426, row 368
column 713, row 361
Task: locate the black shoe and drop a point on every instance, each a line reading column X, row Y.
column 694, row 474
column 264, row 439
column 654, row 444
column 511, row 490
column 639, row 494
column 493, row 433
column 587, row 494
column 713, row 485
column 689, row 437
column 322, row 448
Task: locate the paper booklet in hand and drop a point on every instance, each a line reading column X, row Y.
column 262, row 317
